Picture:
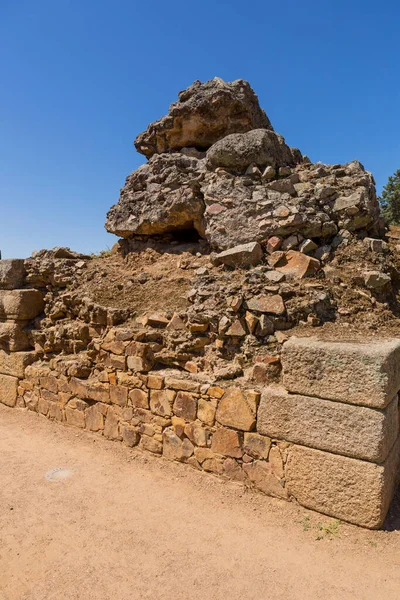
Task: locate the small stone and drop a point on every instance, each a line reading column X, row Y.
column 176, row 323
column 275, row 258
column 155, row 382
column 275, row 276
column 307, row 246
column 291, row 242
column 260, row 473
column 185, row 406
column 265, row 326
column 206, row 412
column 236, row 303
column 284, row 171
column 232, row 470
column 139, row 398
column 191, row 367
column 161, row 402
column 256, row 445
column 297, row 265
column 223, row 325
column 130, row 435
column 236, row 329
column 202, row 271
column 227, row 442
column 269, row 173
column 253, row 170
column 376, row 279
column 267, row 370
column 234, row 411
column 143, row 277
column 323, row 253
column 196, row 434
column 375, row 245
column 273, row 244
column 251, row 321
column 178, row 425
column 215, row 392
column 198, row 327
column 157, row 320
column 151, row 444
column 282, row 211
column 267, row 304
column 244, row 255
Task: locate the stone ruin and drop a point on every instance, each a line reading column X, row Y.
column 233, row 381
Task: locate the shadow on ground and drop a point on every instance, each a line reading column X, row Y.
column 392, row 521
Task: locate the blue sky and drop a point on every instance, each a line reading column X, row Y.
column 80, row 78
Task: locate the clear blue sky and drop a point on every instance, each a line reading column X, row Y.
column 80, row 78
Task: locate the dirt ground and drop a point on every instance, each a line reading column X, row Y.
column 126, row 525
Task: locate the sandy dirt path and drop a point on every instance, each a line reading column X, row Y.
column 128, row 526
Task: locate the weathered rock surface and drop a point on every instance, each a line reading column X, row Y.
column 8, row 390
column 248, row 187
column 161, row 196
column 15, row 363
column 363, row 374
column 354, row 431
column 12, row 273
column 259, row 147
column 204, row 113
column 346, row 488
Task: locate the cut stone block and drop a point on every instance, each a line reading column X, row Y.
column 8, row 390
column 21, row 304
column 15, row 363
column 346, row 488
column 354, row 431
column 356, row 373
column 14, row 337
column 12, row 273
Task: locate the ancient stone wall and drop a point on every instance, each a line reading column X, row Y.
column 210, row 374
column 328, row 439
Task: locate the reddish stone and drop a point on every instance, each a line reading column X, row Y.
column 267, row 304
column 273, row 244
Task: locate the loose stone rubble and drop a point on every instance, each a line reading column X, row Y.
column 190, row 339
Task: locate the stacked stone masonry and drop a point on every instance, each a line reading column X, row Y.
column 339, row 456
column 217, row 382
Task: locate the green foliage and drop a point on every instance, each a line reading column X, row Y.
column 390, row 200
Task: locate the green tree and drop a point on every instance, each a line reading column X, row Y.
column 390, row 199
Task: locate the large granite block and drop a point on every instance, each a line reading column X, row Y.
column 346, row 488
column 354, row 431
column 357, row 373
column 15, row 363
column 12, row 273
column 20, row 304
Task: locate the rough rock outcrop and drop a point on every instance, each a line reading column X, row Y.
column 161, row 196
column 249, row 185
column 204, row 113
column 259, row 147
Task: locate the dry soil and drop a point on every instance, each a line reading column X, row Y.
column 126, row 525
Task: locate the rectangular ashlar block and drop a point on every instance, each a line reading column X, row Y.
column 355, row 431
column 367, row 374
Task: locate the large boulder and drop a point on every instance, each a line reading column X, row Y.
column 204, row 113
column 161, row 196
column 260, row 147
